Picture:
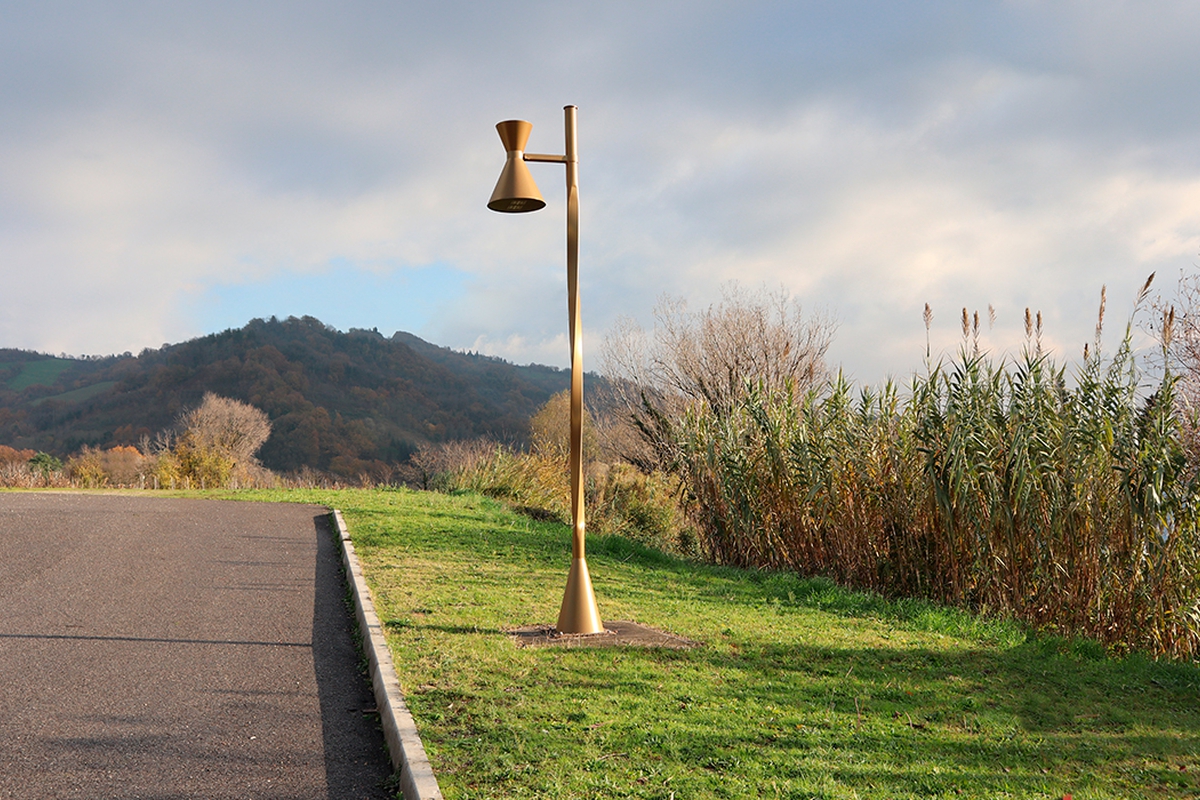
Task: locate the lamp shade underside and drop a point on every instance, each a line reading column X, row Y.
column 516, row 191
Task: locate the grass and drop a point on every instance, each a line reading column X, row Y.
column 800, row 690
column 43, row 372
column 78, row 395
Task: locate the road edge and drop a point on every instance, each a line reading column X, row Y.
column 417, row 781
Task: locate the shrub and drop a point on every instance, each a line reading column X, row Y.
column 86, row 469
column 230, row 430
column 124, row 465
column 45, row 465
column 201, row 462
column 9, row 455
column 619, row 499
column 527, row 481
column 17, row 471
column 92, row 467
column 550, row 429
column 214, row 447
column 624, row 501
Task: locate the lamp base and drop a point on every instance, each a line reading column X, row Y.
column 579, row 613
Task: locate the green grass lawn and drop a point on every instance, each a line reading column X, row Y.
column 42, row 372
column 799, row 690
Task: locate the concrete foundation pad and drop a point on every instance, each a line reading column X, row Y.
column 617, row 633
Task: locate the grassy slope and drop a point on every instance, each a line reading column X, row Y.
column 41, row 372
column 77, row 395
column 800, row 690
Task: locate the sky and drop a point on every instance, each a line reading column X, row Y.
column 170, row 170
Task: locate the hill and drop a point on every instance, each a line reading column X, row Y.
column 339, row 402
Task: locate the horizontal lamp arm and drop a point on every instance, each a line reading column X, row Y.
column 545, row 158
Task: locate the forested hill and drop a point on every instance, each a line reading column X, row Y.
column 339, row 402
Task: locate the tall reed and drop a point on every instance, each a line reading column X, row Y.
column 998, row 486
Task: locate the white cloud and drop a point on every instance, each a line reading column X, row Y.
column 870, row 157
column 517, row 347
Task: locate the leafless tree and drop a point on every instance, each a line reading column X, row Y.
column 230, row 428
column 709, row 358
column 550, row 429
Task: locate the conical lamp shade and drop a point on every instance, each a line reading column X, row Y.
column 515, row 191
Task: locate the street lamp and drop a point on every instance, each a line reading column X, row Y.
column 516, row 192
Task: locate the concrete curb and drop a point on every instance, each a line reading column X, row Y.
column 417, row 781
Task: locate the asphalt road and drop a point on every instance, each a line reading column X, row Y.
column 167, row 648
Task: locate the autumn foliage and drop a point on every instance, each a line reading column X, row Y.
column 215, row 445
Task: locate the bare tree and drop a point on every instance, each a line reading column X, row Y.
column 550, row 429
column 230, row 428
column 710, row 358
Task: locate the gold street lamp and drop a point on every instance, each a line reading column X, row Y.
column 516, row 193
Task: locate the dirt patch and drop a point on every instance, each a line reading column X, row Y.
column 617, row 633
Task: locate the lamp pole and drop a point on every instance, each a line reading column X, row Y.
column 516, row 192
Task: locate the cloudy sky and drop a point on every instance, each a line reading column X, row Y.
column 169, row 170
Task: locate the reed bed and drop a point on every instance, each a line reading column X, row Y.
column 1000, row 486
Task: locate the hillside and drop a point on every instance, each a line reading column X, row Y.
column 339, row 402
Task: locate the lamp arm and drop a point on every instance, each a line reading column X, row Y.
column 545, row 158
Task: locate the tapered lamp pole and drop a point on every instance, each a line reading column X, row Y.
column 516, row 192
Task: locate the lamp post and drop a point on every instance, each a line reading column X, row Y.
column 516, row 192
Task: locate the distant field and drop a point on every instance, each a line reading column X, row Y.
column 33, row 373
column 76, row 395
column 800, row 689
